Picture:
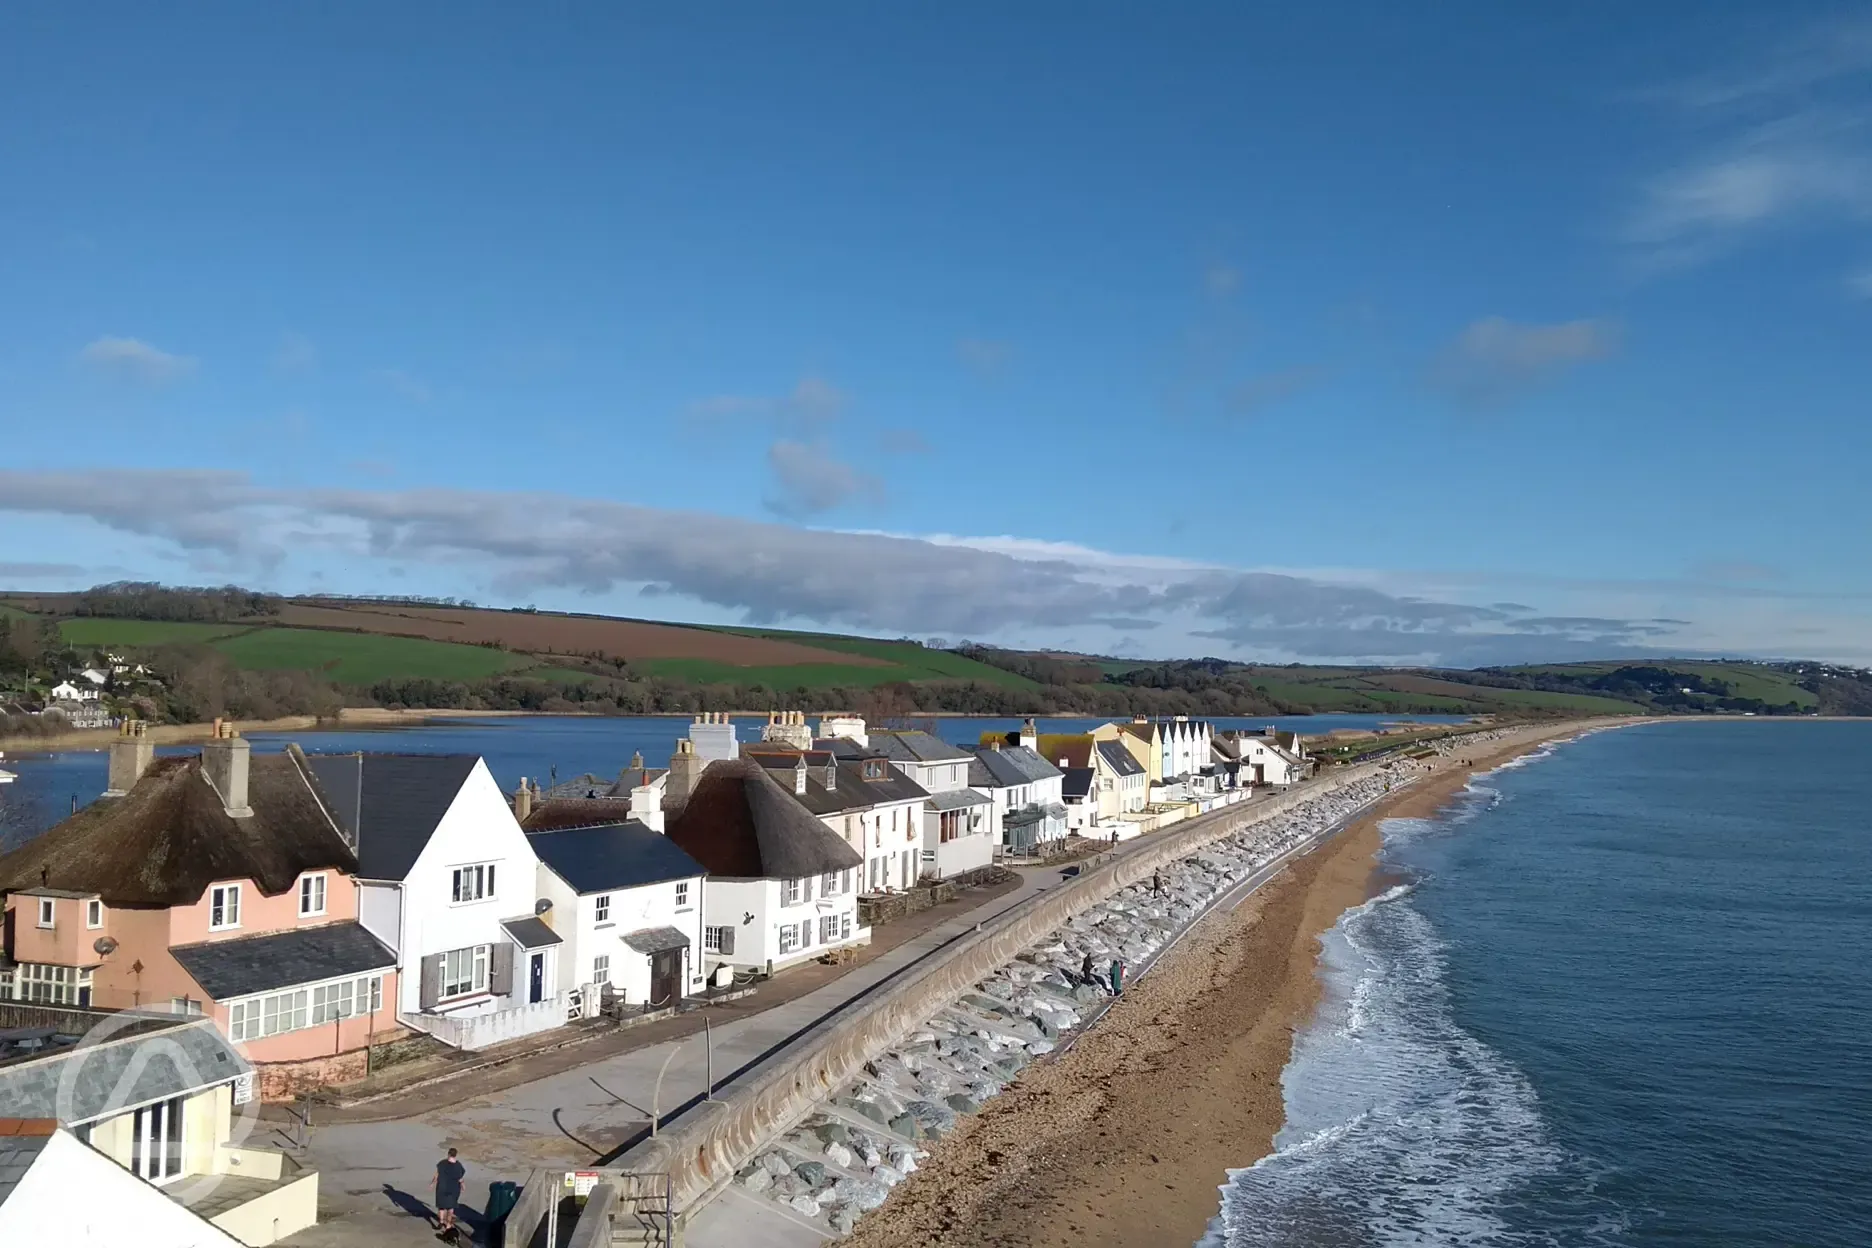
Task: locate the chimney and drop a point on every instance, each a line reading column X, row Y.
column 224, row 764
column 130, row 757
column 1029, row 735
column 522, row 801
column 799, row 776
column 637, row 760
column 685, row 768
column 646, row 807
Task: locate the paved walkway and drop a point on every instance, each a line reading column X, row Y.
column 374, row 1175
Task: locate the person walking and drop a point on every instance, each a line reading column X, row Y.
column 1157, row 887
column 1117, row 977
column 448, row 1190
column 1086, row 974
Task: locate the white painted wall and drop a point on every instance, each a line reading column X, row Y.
column 75, row 1197
column 380, row 911
column 575, row 918
column 478, row 828
column 757, row 942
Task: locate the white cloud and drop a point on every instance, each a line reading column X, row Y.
column 809, row 479
column 1495, row 360
column 132, row 359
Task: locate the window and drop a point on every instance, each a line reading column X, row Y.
column 828, row 928
column 44, row 984
column 223, row 907
column 789, row 938
column 296, row 1008
column 464, row 971
column 949, row 825
column 474, row 883
column 48, row 909
column 602, row 907
column 184, row 1005
column 718, row 940
column 283, row 1011
column 331, row 1002
column 682, row 893
column 795, row 890
column 601, row 970
column 94, row 913
column 311, row 896
column 874, row 769
column 829, row 886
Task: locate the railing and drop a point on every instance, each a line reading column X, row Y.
column 480, row 1031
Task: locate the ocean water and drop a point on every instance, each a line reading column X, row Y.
column 1621, row 994
column 541, row 747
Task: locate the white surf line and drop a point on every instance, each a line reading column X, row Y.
column 1245, row 888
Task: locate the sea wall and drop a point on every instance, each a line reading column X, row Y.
column 704, row 1149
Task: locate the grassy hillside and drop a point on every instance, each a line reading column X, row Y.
column 907, row 660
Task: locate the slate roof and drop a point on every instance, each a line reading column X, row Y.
column 851, row 790
column 915, row 746
column 391, row 803
column 18, row 1151
column 598, row 859
column 740, row 823
column 958, row 799
column 153, row 1064
column 1011, row 765
column 1078, row 782
column 1119, row 759
column 227, row 969
column 167, row 839
column 655, row 939
column 591, row 785
column 531, row 933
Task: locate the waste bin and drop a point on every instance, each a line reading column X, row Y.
column 502, row 1197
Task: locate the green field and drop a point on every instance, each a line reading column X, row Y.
column 908, row 662
column 89, row 631
column 364, row 658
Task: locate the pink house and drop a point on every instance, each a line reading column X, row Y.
column 217, row 884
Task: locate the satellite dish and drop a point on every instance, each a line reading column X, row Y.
column 105, row 946
column 542, row 905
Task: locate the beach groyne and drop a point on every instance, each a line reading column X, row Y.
column 711, row 1142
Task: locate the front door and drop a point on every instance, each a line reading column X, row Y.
column 156, row 1141
column 665, row 977
column 536, row 978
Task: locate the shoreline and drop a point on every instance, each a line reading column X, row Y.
column 1127, row 1138
column 350, row 717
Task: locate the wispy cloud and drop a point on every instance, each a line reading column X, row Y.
column 132, row 359
column 809, row 479
column 984, row 357
column 39, row 571
column 296, row 355
column 812, row 403
column 1781, row 140
column 1257, row 394
column 1496, row 360
column 409, row 386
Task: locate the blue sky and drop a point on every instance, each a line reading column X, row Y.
column 1367, row 332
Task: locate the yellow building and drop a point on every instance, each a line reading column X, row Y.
column 1139, row 736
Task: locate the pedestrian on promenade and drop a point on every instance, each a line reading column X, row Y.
column 1117, row 977
column 448, row 1189
column 1086, row 974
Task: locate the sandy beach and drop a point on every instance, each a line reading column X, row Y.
column 1125, row 1139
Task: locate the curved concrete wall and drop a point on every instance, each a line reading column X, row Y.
column 714, row 1139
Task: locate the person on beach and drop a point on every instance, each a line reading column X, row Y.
column 1157, row 888
column 448, row 1190
column 1117, row 977
column 1086, row 974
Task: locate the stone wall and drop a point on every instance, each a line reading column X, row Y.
column 708, row 1144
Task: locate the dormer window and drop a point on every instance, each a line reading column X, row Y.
column 874, row 769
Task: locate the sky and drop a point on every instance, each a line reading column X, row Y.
column 1462, row 334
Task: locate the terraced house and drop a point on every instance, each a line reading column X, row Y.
column 959, row 832
column 218, row 884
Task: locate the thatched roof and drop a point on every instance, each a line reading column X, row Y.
column 166, row 840
column 741, row 824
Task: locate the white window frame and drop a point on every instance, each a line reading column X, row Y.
column 789, row 938
column 94, row 914
column 309, row 886
column 601, row 908
column 477, row 958
column 682, row 894
column 828, row 928
column 712, row 939
column 792, row 892
column 224, row 900
column 601, row 969
column 471, row 883
column 48, row 912
column 46, row 983
column 829, row 884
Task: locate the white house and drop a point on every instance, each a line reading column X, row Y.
column 959, row 829
column 66, row 691
column 1263, row 759
column 1027, row 794
column 782, row 887
column 873, row 807
column 1185, row 745
column 94, row 677
column 448, row 880
column 627, row 901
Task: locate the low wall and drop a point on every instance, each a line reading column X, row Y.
column 712, row 1140
column 65, row 1019
column 271, row 1217
column 480, row 1031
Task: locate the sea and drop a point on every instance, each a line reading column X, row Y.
column 1620, row 993
column 543, row 748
